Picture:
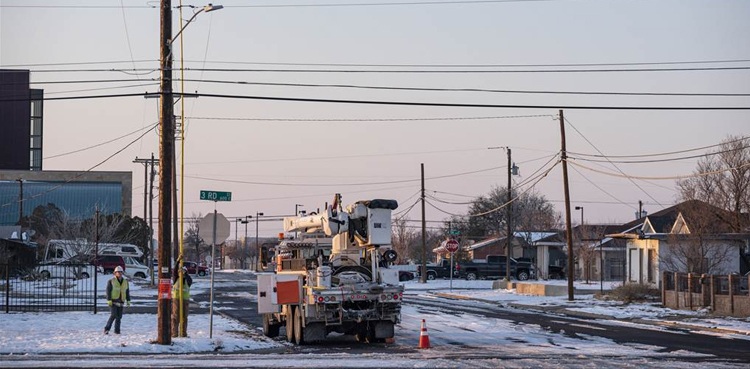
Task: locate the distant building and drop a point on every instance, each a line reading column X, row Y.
column 77, row 193
column 21, row 122
column 24, row 185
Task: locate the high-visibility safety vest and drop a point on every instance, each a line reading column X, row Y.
column 118, row 289
column 185, row 290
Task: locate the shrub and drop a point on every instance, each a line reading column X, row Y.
column 632, row 292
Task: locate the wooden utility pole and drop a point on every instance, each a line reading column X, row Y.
column 423, row 276
column 166, row 161
column 508, row 254
column 568, row 227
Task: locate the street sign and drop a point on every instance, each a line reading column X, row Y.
column 206, row 228
column 451, row 246
column 455, row 232
column 216, row 195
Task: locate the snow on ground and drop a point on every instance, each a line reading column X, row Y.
column 81, row 332
column 482, row 290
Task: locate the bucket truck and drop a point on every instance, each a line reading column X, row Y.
column 335, row 276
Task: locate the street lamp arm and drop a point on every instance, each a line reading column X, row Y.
column 207, row 8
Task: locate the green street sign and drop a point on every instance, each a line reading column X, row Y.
column 216, row 195
column 455, row 232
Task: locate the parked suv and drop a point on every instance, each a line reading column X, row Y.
column 109, row 263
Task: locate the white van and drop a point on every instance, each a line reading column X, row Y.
column 58, row 250
column 133, row 268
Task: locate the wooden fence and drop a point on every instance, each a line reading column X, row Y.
column 723, row 294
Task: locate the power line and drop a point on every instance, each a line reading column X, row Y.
column 659, row 160
column 612, row 163
column 537, row 65
column 658, row 154
column 398, row 103
column 669, row 62
column 484, row 90
column 401, row 71
column 601, row 189
column 422, row 89
column 694, row 175
column 369, row 119
column 80, row 174
column 153, row 125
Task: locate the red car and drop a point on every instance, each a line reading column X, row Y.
column 109, row 263
column 194, row 268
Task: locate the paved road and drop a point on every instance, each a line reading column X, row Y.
column 235, row 298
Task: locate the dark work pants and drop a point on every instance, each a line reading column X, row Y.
column 115, row 315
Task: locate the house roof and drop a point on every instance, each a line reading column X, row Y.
column 696, row 214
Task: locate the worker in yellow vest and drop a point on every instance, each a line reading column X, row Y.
column 118, row 294
column 180, row 303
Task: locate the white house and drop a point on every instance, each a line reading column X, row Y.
column 691, row 237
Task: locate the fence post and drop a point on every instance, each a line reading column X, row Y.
column 7, row 288
column 731, row 295
column 677, row 290
column 664, row 289
column 713, row 293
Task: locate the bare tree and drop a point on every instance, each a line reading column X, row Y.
column 589, row 238
column 723, row 180
column 193, row 245
column 404, row 240
column 235, row 252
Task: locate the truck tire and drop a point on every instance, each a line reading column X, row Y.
column 431, row 275
column 523, row 275
column 299, row 331
column 270, row 329
column 290, row 324
column 472, row 276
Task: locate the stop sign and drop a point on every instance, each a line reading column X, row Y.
column 451, row 246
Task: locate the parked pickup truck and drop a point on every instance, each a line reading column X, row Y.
column 440, row 270
column 495, row 267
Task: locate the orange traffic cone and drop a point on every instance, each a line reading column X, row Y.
column 424, row 339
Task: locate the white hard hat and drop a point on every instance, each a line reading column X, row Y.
column 118, row 269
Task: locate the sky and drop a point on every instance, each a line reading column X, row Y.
column 273, row 155
column 31, row 340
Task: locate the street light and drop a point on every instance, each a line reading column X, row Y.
column 244, row 240
column 581, row 209
column 512, row 170
column 583, row 236
column 237, row 222
column 207, row 8
column 257, row 245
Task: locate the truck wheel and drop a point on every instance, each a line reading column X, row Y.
column 299, row 331
column 269, row 328
column 431, row 276
column 290, row 324
column 471, row 276
column 523, row 275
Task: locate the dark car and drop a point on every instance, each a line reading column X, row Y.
column 194, row 268
column 109, row 262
